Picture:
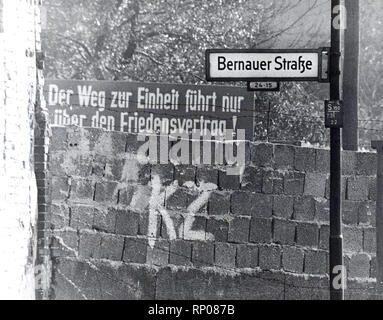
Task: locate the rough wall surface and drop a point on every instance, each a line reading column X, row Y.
column 42, row 135
column 18, row 194
column 122, row 230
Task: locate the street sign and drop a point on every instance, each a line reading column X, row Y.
column 333, row 114
column 264, row 65
column 263, row 86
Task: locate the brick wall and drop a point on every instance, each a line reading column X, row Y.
column 261, row 236
column 18, row 194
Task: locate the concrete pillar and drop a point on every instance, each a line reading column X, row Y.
column 378, row 145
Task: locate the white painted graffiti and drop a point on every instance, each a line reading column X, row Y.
column 157, row 207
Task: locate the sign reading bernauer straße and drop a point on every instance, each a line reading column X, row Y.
column 277, row 65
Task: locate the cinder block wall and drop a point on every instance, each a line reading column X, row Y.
column 18, row 193
column 260, row 236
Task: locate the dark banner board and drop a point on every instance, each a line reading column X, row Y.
column 140, row 107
